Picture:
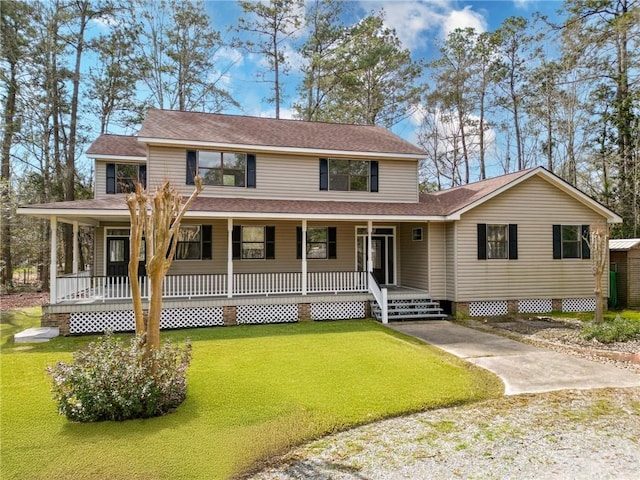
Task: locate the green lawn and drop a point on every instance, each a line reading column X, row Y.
column 254, row 391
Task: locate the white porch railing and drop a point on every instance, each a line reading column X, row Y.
column 380, row 294
column 87, row 288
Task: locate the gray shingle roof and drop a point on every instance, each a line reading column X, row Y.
column 270, row 132
column 124, row 145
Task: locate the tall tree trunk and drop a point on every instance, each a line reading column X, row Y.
column 5, row 177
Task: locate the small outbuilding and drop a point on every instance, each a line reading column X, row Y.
column 625, row 261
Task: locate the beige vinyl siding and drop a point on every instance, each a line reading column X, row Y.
column 101, row 176
column 285, row 245
column 413, row 258
column 287, row 177
column 534, row 205
column 437, row 261
column 99, row 253
column 451, row 263
column 101, row 180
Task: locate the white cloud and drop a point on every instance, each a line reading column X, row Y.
column 523, row 4
column 462, row 19
column 415, row 22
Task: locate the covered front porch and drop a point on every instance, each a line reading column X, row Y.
column 243, row 262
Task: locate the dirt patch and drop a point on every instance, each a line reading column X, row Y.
column 10, row 301
column 564, row 335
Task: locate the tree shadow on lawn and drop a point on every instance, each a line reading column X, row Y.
column 15, row 320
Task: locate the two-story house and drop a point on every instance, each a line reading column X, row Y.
column 303, row 220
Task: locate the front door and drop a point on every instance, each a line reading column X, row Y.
column 118, row 257
column 382, row 254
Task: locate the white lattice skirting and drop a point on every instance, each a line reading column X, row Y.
column 253, row 314
column 337, row 310
column 578, row 304
column 535, row 305
column 123, row 321
column 488, row 309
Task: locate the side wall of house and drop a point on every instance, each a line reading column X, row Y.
column 437, row 261
column 288, row 177
column 534, row 205
column 413, row 256
column 451, row 262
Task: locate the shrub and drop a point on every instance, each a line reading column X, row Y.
column 110, row 381
column 610, row 331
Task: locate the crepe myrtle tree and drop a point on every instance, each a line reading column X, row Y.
column 155, row 219
column 599, row 245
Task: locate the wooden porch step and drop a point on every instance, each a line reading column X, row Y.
column 405, row 309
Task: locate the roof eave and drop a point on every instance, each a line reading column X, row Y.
column 102, row 156
column 277, row 149
column 74, row 215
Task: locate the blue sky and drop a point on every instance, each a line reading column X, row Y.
column 419, row 24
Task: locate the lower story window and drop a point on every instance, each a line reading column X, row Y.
column 194, row 242
column 253, row 242
column 571, row 241
column 497, row 243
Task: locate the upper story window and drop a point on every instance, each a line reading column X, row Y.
column 122, row 177
column 348, row 175
column 571, row 241
column 497, row 241
column 231, row 169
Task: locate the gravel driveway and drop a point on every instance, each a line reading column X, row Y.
column 592, row 434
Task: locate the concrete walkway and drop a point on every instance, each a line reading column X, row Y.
column 523, row 368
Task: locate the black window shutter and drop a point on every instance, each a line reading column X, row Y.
column 586, row 250
column 333, row 246
column 236, row 242
column 270, row 242
column 251, row 171
column 111, row 178
column 191, row 166
column 557, row 242
column 324, row 174
column 374, row 176
column 206, row 242
column 298, row 242
column 513, row 241
column 142, row 175
column 482, row 241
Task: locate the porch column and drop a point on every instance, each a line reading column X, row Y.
column 75, row 248
column 304, row 257
column 230, row 257
column 369, row 247
column 54, row 260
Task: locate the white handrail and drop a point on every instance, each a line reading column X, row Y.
column 80, row 287
column 380, row 294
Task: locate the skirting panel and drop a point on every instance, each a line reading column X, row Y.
column 337, row 310
column 488, row 309
column 535, row 305
column 578, row 304
column 98, row 322
column 252, row 314
column 123, row 321
column 191, row 317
